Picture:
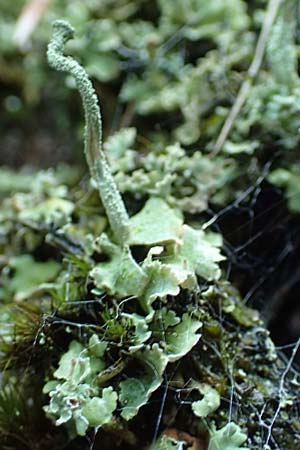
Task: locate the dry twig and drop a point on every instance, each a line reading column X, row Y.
column 270, row 17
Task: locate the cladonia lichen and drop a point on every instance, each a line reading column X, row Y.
column 123, row 332
column 100, row 171
column 176, row 257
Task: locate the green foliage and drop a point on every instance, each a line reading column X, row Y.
column 98, row 411
column 42, row 201
column 181, row 338
column 146, row 230
column 121, row 276
column 203, row 19
column 109, row 308
column 289, row 180
column 178, row 254
column 272, row 108
column 135, row 392
column 229, row 437
column 167, row 171
column 281, row 48
column 28, row 276
column 75, row 396
column 209, row 403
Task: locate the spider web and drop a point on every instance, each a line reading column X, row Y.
column 258, row 265
column 261, row 242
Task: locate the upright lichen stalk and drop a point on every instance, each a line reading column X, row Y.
column 98, row 165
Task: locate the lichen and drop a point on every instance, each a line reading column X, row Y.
column 126, row 320
column 99, row 169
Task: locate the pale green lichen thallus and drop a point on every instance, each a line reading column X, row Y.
column 98, row 165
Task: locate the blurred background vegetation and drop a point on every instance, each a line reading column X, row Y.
column 173, row 68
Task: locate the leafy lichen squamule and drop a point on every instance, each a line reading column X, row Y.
column 98, row 165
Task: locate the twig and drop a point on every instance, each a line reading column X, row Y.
column 28, row 21
column 281, row 393
column 271, row 14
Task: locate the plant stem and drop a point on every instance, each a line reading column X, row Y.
column 270, row 17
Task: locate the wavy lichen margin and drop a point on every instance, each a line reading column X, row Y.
column 97, row 162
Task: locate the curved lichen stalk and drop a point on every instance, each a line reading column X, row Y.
column 98, row 165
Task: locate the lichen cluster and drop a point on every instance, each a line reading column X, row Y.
column 118, row 326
